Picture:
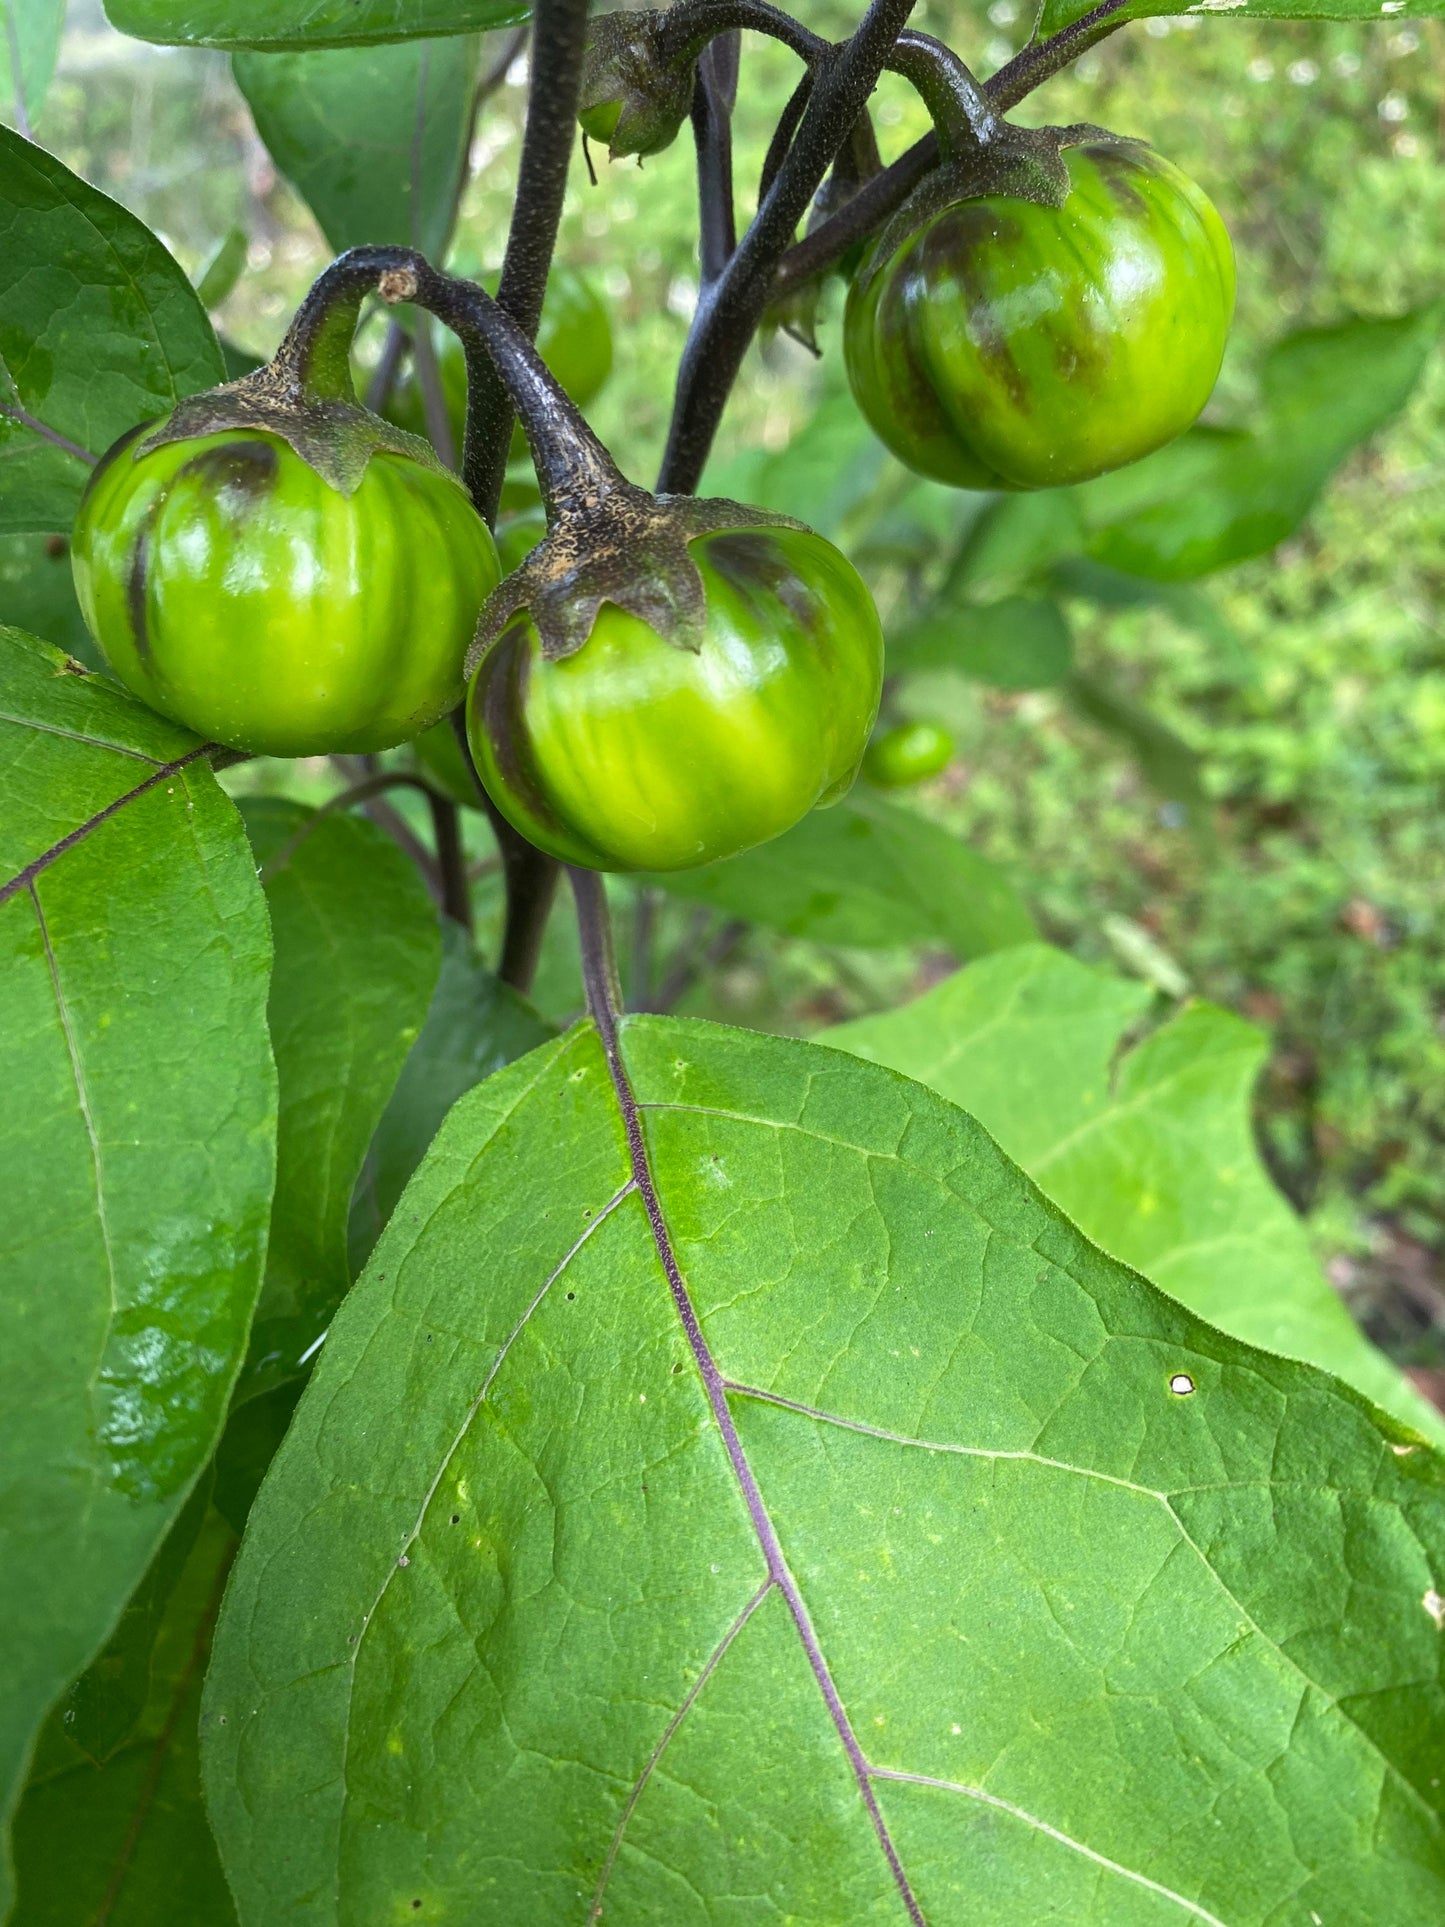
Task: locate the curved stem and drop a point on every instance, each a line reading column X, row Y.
column 558, row 39
column 788, row 124
column 684, row 30
column 573, row 468
column 530, row 878
column 712, row 99
column 959, row 108
column 1032, row 65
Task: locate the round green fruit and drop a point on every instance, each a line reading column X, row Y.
column 1011, row 345
column 236, row 591
column 909, row 754
column 634, row 753
column 575, row 341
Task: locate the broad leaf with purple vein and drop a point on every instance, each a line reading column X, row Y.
column 734, row 1494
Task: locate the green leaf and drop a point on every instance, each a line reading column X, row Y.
column 128, row 1844
column 1014, row 543
column 1217, row 496
column 29, row 46
column 357, row 955
column 37, row 593
column 1168, row 763
column 99, row 329
column 1022, row 642
column 475, row 1025
column 1054, row 15
column 629, row 1543
column 269, row 24
column 865, row 872
column 1149, row 1150
column 138, row 1149
column 103, row 1708
column 374, row 139
column 223, row 270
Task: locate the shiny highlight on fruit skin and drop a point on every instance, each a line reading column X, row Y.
column 1018, row 346
column 636, row 754
column 236, row 591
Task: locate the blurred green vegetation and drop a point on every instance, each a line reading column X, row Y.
column 1316, row 704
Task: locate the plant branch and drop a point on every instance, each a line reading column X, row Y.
column 713, row 92
column 365, row 790
column 684, row 30
column 729, row 311
column 528, row 875
column 558, row 38
column 962, row 115
column 446, row 822
column 783, row 133
column 887, row 192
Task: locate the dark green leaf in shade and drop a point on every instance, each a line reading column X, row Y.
column 29, row 44
column 128, row 1844
column 265, row 24
column 1021, row 642
column 1168, row 763
column 37, row 594
column 136, row 1154
column 1216, row 495
column 1151, row 1152
column 870, row 873
column 239, row 361
column 475, row 1025
column 374, row 139
column 1054, row 15
column 101, row 1710
column 253, row 1432
column 802, row 1522
column 357, row 955
column 99, row 329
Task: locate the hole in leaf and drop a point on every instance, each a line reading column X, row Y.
column 1181, row 1384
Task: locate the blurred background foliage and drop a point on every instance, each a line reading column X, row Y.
column 1239, row 794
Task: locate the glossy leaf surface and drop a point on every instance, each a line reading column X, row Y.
column 137, row 1153
column 866, row 872
column 1054, row 15
column 305, row 23
column 99, row 329
column 614, row 1568
column 128, row 1844
column 1151, row 1152
column 357, row 954
column 373, row 138
column 475, row 1025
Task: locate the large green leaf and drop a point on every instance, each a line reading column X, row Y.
column 357, row 953
column 128, row 1844
column 808, row 1513
column 137, row 1154
column 1151, row 1153
column 1216, row 495
column 306, row 23
column 374, row 139
column 1057, row 14
column 29, row 44
column 37, row 594
column 865, row 872
column 99, row 329
column 475, row 1025
column 1020, row 642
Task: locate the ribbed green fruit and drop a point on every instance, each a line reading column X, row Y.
column 636, row 754
column 1012, row 345
column 235, row 590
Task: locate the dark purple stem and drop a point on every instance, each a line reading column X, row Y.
column 599, row 974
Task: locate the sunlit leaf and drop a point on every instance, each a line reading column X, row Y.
column 795, row 1519
column 306, row 23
